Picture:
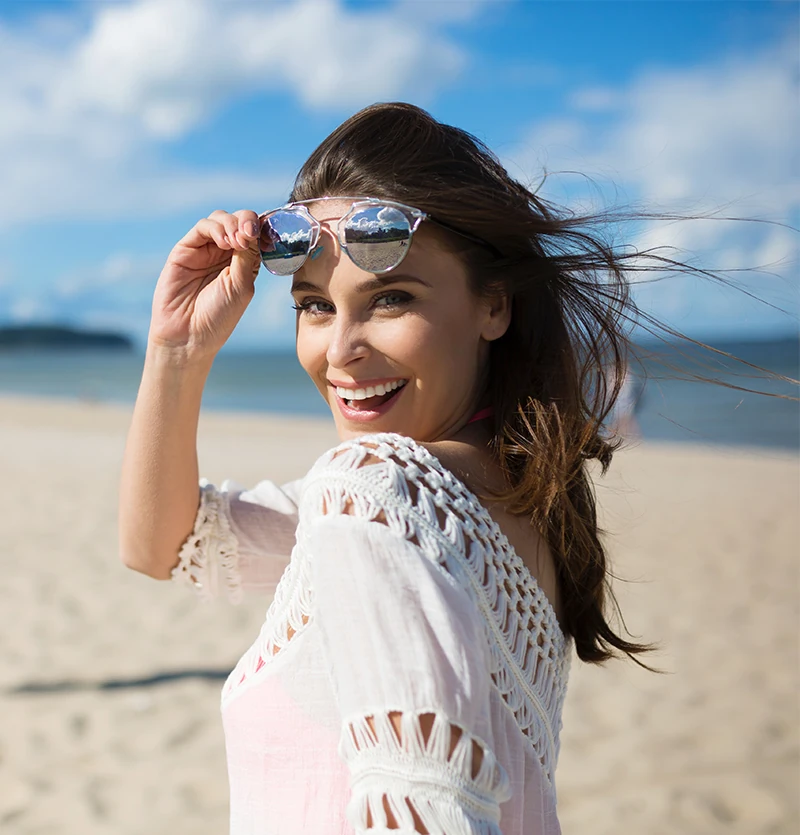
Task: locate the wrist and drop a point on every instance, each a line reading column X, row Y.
column 188, row 362
column 175, row 378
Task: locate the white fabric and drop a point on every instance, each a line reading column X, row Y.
column 241, row 538
column 402, row 604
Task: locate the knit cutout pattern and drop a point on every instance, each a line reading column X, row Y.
column 392, row 479
column 416, row 765
column 287, row 616
column 210, row 556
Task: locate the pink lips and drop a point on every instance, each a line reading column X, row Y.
column 366, row 415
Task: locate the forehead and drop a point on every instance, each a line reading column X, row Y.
column 329, row 210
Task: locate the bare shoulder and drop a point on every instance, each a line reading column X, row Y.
column 471, row 463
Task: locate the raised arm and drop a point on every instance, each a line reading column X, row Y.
column 201, row 294
column 159, row 492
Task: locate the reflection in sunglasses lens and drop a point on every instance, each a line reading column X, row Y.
column 284, row 242
column 377, row 238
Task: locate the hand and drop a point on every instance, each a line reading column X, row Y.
column 206, row 285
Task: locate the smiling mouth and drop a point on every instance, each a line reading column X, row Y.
column 372, row 398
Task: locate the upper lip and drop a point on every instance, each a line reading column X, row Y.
column 362, row 384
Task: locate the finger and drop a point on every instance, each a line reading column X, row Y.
column 206, row 230
column 231, row 224
column 248, row 223
column 233, row 228
column 228, row 222
column 247, row 228
column 245, row 265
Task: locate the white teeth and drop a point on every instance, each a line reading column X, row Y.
column 371, row 391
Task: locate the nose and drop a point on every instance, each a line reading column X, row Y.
column 348, row 342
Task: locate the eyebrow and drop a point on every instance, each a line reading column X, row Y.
column 368, row 286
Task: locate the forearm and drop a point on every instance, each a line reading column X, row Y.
column 159, row 491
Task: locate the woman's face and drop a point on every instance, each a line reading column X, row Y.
column 399, row 352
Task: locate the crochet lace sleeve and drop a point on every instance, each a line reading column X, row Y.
column 406, row 652
column 242, row 539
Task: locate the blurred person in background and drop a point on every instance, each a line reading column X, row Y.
column 623, row 421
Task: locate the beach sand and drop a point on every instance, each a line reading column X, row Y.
column 93, row 741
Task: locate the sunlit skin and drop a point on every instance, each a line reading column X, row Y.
column 419, row 322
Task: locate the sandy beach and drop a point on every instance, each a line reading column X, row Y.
column 109, row 681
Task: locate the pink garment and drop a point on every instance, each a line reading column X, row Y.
column 283, row 751
column 401, row 599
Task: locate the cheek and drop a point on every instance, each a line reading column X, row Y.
column 311, row 351
column 412, row 342
column 444, row 348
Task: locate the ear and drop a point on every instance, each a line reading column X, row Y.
column 497, row 317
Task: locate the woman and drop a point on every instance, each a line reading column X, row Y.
column 410, row 673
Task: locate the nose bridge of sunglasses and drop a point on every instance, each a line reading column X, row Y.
column 327, row 239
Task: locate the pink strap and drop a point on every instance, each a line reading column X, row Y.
column 483, row 413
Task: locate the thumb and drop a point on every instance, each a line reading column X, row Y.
column 244, row 267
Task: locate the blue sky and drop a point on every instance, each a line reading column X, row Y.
column 124, row 122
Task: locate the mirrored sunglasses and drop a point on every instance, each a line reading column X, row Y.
column 375, row 233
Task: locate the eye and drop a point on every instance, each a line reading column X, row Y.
column 392, row 298
column 314, row 307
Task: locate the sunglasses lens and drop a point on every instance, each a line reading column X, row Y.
column 284, row 242
column 377, row 238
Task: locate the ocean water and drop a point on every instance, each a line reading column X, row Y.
column 670, row 408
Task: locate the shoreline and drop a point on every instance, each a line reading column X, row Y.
column 27, row 406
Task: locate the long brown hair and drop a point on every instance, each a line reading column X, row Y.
column 555, row 375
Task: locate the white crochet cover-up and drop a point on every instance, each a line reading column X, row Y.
column 396, row 595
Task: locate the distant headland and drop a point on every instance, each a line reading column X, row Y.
column 57, row 336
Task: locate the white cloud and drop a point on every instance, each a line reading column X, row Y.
column 87, row 101
column 132, row 276
column 165, row 64
column 595, row 98
column 722, row 138
column 27, row 308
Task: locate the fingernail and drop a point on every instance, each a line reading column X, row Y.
column 250, row 229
